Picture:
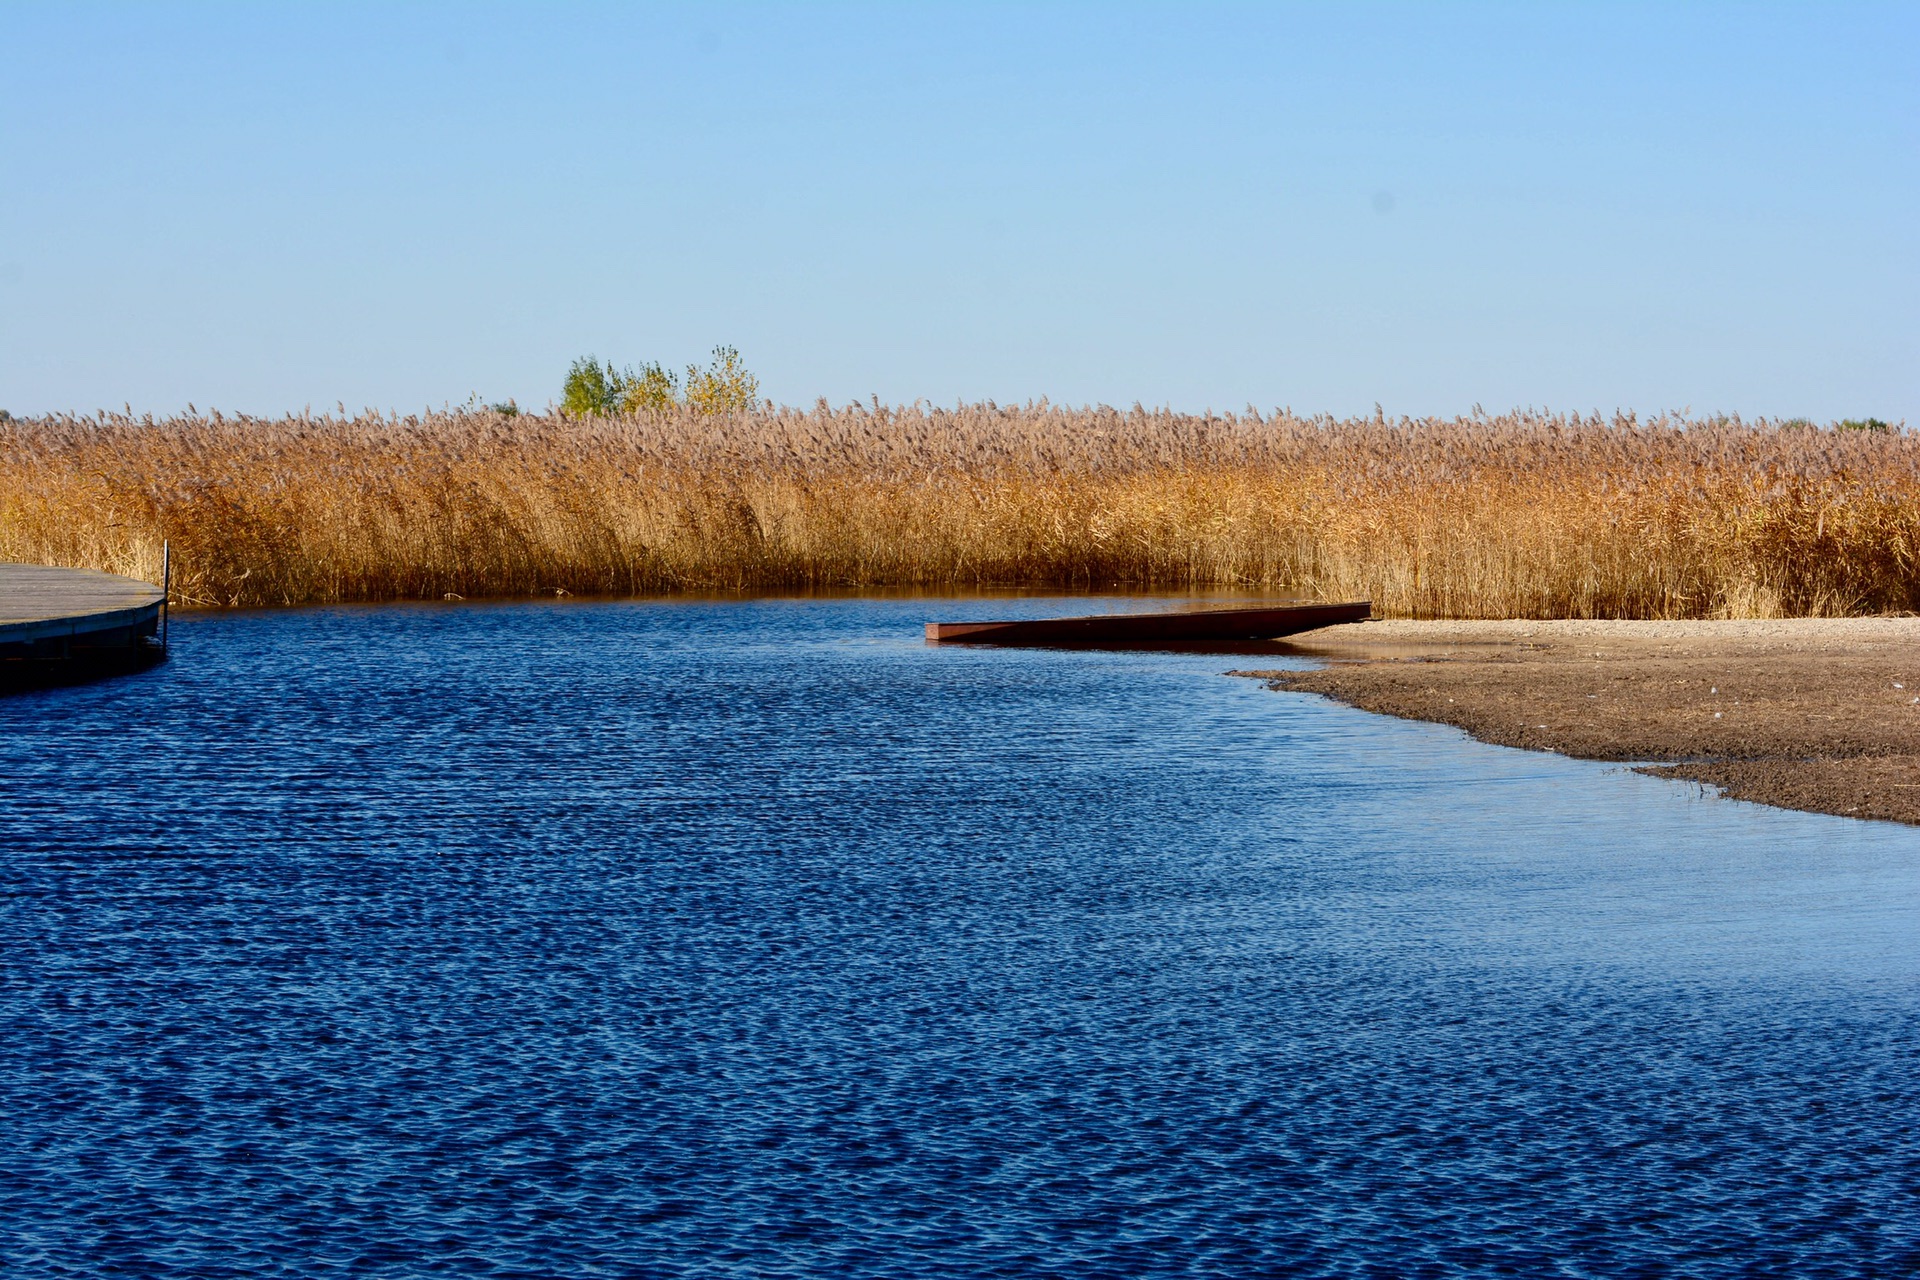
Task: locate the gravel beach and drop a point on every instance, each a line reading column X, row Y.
column 1819, row 714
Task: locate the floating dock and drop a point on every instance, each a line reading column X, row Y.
column 62, row 624
column 1133, row 629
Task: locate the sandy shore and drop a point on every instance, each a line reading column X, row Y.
column 1816, row 714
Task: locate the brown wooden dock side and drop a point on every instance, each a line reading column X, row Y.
column 1172, row 627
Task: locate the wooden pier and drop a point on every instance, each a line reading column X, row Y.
column 59, row 624
column 1179, row 627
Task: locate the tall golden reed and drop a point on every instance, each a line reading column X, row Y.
column 1523, row 515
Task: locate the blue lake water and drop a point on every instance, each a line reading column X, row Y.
column 764, row 940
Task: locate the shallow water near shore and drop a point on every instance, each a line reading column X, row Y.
column 763, row 939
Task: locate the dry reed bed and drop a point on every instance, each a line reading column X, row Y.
column 1523, row 515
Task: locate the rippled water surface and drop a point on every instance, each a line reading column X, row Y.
column 764, row 940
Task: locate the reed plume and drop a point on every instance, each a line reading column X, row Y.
column 1522, row 515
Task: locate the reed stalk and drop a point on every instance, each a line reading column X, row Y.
column 1523, row 515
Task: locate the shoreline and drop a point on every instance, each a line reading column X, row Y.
column 1815, row 714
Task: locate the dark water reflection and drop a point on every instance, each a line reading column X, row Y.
column 764, row 940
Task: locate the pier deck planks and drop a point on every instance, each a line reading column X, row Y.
column 39, row 603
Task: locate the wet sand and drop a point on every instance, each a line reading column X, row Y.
column 1816, row 714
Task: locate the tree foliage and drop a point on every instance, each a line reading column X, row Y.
column 591, row 389
column 724, row 386
column 594, row 389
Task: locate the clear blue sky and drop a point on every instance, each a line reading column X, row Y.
column 263, row 206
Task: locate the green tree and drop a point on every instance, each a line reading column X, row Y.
column 591, row 389
column 594, row 389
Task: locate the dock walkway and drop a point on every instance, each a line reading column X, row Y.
column 56, row 613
